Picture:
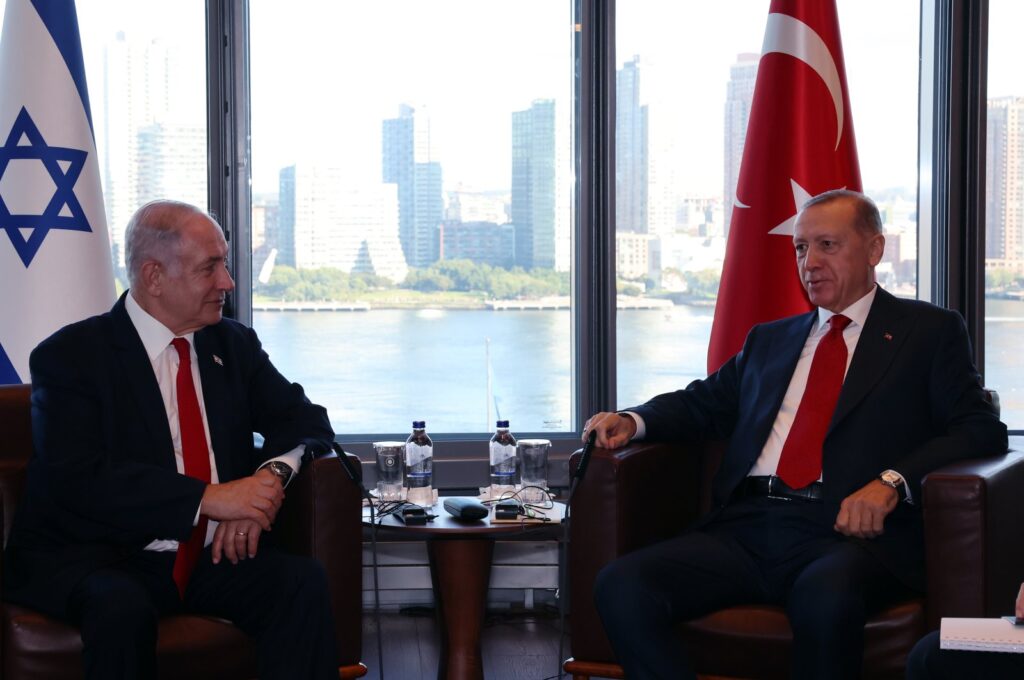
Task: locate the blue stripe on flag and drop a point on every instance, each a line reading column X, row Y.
column 61, row 20
column 8, row 376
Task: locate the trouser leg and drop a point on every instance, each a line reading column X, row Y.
column 828, row 605
column 641, row 596
column 282, row 601
column 117, row 610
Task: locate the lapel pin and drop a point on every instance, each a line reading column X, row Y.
column 217, row 360
column 887, row 336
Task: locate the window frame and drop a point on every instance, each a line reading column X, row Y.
column 951, row 190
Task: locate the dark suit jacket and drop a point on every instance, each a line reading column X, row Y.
column 912, row 401
column 102, row 482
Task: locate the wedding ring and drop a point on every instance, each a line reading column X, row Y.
column 239, row 533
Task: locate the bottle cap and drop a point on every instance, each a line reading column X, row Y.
column 502, row 423
column 419, row 424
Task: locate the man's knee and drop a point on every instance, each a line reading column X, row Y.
column 113, row 610
column 307, row 578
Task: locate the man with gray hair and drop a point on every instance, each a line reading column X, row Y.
column 145, row 495
column 833, row 419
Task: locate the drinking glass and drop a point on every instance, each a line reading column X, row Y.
column 389, row 470
column 533, row 461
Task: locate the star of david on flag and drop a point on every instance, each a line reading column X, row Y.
column 55, row 264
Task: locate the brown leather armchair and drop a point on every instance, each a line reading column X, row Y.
column 974, row 556
column 321, row 518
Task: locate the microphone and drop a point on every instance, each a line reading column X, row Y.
column 353, row 474
column 588, row 449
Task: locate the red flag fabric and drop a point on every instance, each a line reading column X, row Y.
column 799, row 144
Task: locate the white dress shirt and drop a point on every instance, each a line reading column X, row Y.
column 768, row 462
column 156, row 340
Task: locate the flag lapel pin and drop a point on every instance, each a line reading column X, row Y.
column 217, row 360
column 887, row 336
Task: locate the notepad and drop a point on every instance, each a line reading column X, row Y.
column 981, row 635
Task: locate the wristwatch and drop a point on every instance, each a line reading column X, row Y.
column 895, row 480
column 283, row 471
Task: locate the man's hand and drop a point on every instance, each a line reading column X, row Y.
column 613, row 430
column 235, row 539
column 862, row 513
column 1019, row 612
column 256, row 498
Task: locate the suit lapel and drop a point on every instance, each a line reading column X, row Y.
column 137, row 371
column 783, row 355
column 212, row 373
column 885, row 331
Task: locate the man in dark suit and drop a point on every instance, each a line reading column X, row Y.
column 145, row 495
column 833, row 419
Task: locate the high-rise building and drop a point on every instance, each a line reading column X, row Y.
column 630, row 151
column 738, row 99
column 1004, row 184
column 481, row 242
column 134, row 93
column 171, row 163
column 410, row 161
column 534, row 187
column 327, row 219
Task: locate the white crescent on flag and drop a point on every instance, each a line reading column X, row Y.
column 787, row 35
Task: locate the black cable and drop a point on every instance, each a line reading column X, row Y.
column 357, row 479
column 577, row 477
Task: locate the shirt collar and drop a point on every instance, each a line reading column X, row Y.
column 154, row 335
column 857, row 313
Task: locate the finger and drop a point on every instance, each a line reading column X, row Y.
column 260, row 517
column 254, row 540
column 217, row 547
column 242, row 544
column 843, row 519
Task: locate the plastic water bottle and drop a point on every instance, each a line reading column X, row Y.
column 503, row 461
column 419, row 465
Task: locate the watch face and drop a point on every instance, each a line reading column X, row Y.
column 891, row 478
column 280, row 469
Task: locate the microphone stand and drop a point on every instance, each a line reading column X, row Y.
column 577, row 477
column 357, row 479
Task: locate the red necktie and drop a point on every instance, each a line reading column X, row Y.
column 800, row 462
column 196, row 455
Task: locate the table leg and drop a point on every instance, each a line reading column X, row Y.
column 461, row 571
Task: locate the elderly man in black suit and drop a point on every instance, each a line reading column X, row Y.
column 145, row 494
column 833, row 418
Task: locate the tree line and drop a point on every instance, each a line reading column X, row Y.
column 327, row 283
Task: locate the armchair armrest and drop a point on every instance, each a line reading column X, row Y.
column 322, row 518
column 973, row 546
column 631, row 497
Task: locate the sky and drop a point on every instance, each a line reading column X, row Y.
column 325, row 74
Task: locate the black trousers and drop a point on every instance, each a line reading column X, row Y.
column 279, row 600
column 757, row 550
column 928, row 662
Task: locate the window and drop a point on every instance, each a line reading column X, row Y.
column 1004, row 212
column 146, row 69
column 411, row 212
column 680, row 134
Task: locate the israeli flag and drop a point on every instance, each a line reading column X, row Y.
column 55, row 263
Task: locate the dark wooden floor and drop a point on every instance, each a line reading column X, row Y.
column 516, row 645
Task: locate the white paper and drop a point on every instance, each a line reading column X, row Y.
column 981, row 635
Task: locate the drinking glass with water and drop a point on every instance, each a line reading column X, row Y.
column 389, row 470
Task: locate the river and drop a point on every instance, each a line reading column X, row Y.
column 378, row 370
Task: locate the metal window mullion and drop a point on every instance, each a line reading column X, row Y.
column 228, row 123
column 594, row 153
column 958, row 159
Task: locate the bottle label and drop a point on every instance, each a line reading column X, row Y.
column 416, row 454
column 499, row 453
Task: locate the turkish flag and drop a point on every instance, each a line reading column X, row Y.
column 799, row 144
